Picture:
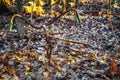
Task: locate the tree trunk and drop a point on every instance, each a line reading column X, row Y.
column 76, row 3
column 20, row 26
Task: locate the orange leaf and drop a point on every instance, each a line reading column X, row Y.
column 113, row 67
column 33, row 54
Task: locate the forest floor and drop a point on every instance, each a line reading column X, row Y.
column 89, row 51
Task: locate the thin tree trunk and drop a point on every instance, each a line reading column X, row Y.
column 76, row 3
column 20, row 26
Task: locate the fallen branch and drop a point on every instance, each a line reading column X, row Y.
column 69, row 40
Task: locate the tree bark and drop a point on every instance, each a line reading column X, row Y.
column 20, row 26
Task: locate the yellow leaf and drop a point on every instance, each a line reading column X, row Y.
column 59, row 68
column 21, row 59
column 28, row 73
column 53, row 2
column 18, row 58
column 3, row 57
column 72, row 61
column 27, row 68
column 31, row 8
column 7, row 2
column 41, row 58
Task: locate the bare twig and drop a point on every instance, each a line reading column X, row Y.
column 56, row 18
column 113, row 31
column 69, row 40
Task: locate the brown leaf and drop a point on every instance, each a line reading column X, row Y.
column 118, row 71
column 113, row 67
column 80, row 51
column 12, row 72
column 92, row 56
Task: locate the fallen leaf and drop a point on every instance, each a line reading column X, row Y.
column 118, row 71
column 4, row 57
column 113, row 67
column 33, row 54
column 92, row 56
